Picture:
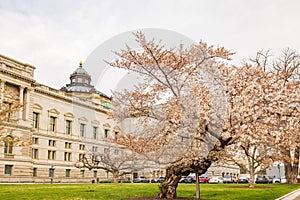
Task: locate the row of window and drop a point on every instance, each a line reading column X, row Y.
column 8, row 149
column 67, row 174
column 8, row 171
column 52, row 155
column 68, row 128
column 67, row 155
column 52, row 143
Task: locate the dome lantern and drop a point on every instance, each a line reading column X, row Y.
column 80, row 81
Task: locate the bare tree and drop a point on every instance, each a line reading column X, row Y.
column 8, row 116
column 114, row 160
column 252, row 156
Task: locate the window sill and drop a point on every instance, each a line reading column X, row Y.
column 7, row 155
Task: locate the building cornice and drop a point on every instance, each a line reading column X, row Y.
column 15, row 125
column 15, row 61
column 17, row 69
column 17, row 76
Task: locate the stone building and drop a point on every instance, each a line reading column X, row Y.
column 56, row 127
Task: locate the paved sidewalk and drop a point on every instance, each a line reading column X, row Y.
column 295, row 195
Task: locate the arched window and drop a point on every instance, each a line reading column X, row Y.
column 8, row 144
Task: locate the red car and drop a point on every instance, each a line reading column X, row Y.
column 203, row 179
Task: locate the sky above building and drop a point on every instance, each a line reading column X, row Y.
column 54, row 35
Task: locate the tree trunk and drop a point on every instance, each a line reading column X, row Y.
column 187, row 165
column 251, row 180
column 287, row 168
column 115, row 177
column 178, row 169
column 169, row 186
column 291, row 168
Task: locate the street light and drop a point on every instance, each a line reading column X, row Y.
column 279, row 172
column 51, row 173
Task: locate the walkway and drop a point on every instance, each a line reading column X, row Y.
column 295, row 195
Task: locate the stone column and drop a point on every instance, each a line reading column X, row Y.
column 21, row 90
column 26, row 117
column 2, row 83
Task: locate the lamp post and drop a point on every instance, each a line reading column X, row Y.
column 279, row 172
column 197, row 185
column 51, row 173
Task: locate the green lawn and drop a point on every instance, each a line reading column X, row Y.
column 106, row 191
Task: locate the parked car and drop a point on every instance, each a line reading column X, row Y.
column 186, row 179
column 161, row 179
column 234, row 179
column 271, row 179
column 215, row 180
column 261, row 179
column 281, row 180
column 141, row 179
column 154, row 180
column 203, row 179
column 227, row 179
column 243, row 178
column 158, row 180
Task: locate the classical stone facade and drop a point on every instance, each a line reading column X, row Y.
column 56, row 127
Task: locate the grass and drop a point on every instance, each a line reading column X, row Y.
column 120, row 191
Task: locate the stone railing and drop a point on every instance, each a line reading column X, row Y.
column 16, row 67
column 74, row 99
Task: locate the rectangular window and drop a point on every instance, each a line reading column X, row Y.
column 106, row 150
column 35, row 120
column 105, row 133
column 52, row 123
column 82, row 129
column 82, row 173
column 94, row 149
column 35, row 140
column 51, row 172
column 8, row 170
column 35, row 153
column 52, row 143
column 116, row 135
column 116, row 152
column 68, row 172
column 51, row 155
column 8, row 147
column 7, row 106
column 81, row 147
column 67, row 156
column 95, row 131
column 34, row 172
column 95, row 174
column 68, row 127
column 81, row 156
column 68, row 145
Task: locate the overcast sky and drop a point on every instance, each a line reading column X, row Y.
column 54, row 35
